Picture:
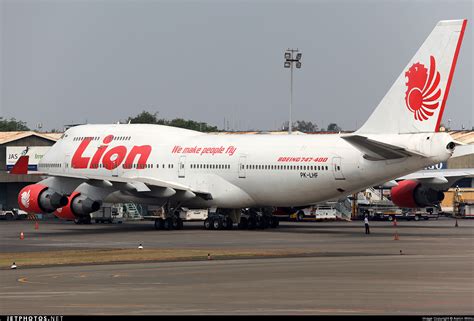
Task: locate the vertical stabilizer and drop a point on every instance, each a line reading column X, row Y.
column 417, row 99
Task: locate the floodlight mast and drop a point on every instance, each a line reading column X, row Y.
column 289, row 64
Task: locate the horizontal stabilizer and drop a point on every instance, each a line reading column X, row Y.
column 375, row 150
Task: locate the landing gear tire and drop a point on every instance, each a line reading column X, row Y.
column 216, row 224
column 243, row 223
column 180, row 224
column 251, row 224
column 224, row 224
column 168, row 224
column 230, row 224
column 266, row 222
column 159, row 224
column 260, row 224
column 207, row 224
column 177, row 223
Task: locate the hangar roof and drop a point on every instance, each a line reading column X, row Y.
column 6, row 137
column 465, row 136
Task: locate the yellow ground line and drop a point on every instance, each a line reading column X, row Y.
column 25, row 280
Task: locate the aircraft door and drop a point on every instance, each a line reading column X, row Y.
column 337, row 168
column 67, row 163
column 242, row 163
column 182, row 166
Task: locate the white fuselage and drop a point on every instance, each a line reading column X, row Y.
column 237, row 170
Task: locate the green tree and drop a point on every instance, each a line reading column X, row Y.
column 147, row 118
column 332, row 127
column 302, row 126
column 305, row 126
column 11, row 125
column 144, row 118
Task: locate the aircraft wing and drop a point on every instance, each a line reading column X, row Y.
column 440, row 173
column 439, row 179
column 140, row 184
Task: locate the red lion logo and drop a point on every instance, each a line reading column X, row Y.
column 421, row 95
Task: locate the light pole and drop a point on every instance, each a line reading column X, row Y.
column 289, row 60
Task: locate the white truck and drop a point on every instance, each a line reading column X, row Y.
column 107, row 214
column 315, row 213
column 13, row 214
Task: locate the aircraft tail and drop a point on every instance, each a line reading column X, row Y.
column 416, row 101
column 21, row 166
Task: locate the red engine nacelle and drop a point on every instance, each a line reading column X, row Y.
column 78, row 205
column 65, row 212
column 38, row 198
column 412, row 194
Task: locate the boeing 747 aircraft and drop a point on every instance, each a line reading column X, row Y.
column 153, row 164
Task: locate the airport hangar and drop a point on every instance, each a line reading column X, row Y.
column 12, row 144
column 36, row 144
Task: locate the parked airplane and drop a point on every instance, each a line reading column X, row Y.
column 426, row 187
column 159, row 165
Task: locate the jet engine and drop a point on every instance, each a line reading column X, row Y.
column 38, row 198
column 412, row 194
column 78, row 206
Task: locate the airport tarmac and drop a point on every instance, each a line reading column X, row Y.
column 348, row 272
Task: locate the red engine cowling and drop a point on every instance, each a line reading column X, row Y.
column 65, row 212
column 38, row 198
column 78, row 205
column 412, row 194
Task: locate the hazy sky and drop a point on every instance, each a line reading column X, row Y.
column 101, row 61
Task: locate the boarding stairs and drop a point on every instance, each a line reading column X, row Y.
column 132, row 212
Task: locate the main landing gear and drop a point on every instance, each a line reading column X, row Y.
column 218, row 222
column 248, row 219
column 172, row 222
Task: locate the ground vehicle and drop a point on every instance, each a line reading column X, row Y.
column 389, row 213
column 466, row 209
column 187, row 214
column 8, row 215
column 107, row 214
column 315, row 213
column 420, row 213
column 13, row 214
column 175, row 220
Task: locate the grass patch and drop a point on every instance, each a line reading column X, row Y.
column 97, row 256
